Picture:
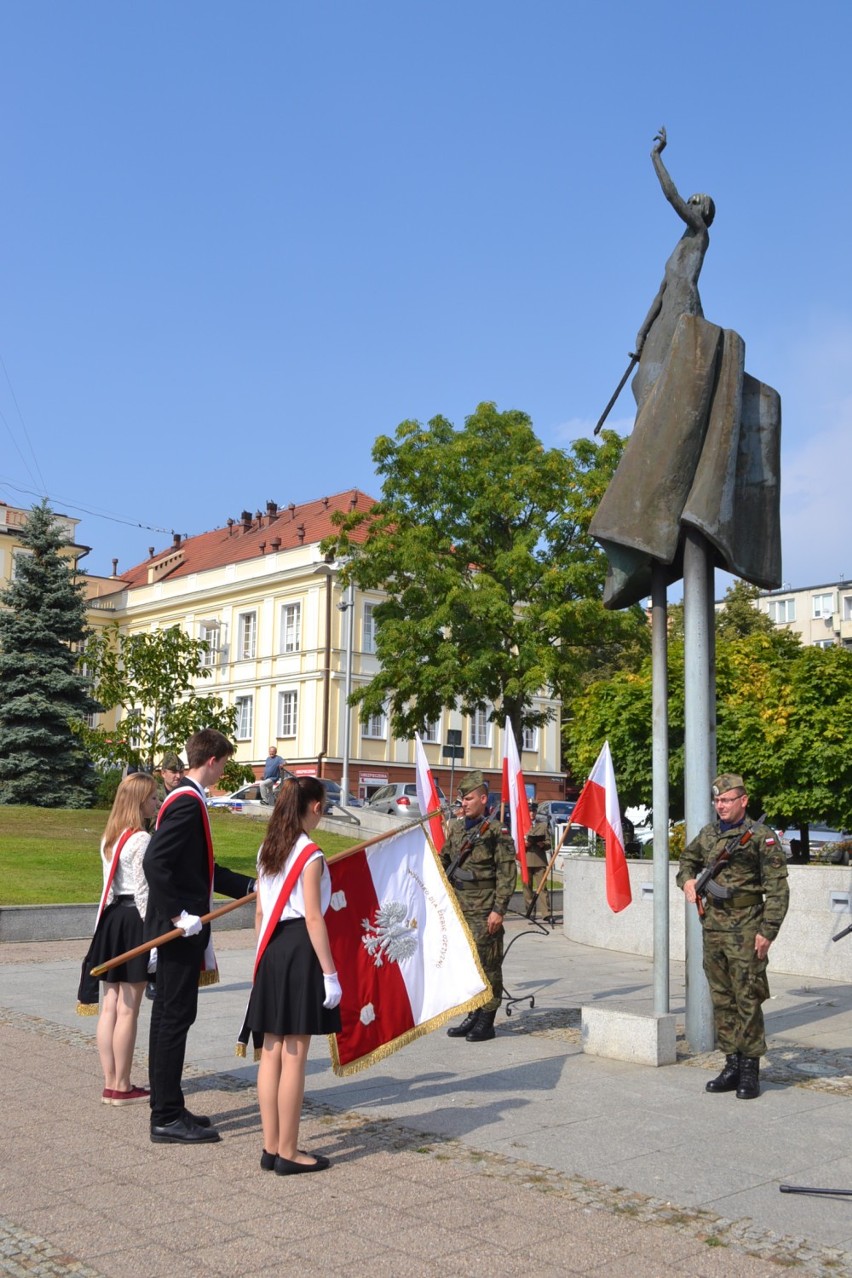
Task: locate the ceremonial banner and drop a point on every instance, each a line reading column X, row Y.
column 427, row 794
column 597, row 808
column 403, row 953
column 515, row 795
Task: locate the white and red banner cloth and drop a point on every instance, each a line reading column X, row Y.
column 404, row 956
column 515, row 797
column 427, row 793
column 597, row 808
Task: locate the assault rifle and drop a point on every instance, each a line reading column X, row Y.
column 704, row 885
column 845, row 932
column 454, row 871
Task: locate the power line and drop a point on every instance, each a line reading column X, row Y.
column 86, row 510
column 39, row 477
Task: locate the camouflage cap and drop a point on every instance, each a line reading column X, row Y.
column 473, row 781
column 172, row 762
column 727, row 781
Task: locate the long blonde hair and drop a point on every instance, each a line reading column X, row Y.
column 126, row 813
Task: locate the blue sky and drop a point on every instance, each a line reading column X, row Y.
column 242, row 240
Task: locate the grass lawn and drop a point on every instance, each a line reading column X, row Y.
column 49, row 856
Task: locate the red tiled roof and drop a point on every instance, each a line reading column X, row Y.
column 243, row 538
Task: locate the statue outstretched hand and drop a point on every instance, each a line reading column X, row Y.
column 659, row 141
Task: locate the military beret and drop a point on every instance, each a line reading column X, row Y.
column 727, row 781
column 473, row 781
column 172, row 762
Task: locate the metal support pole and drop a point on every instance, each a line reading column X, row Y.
column 349, row 605
column 660, row 786
column 698, row 724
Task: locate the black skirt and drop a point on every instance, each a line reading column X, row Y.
column 119, row 929
column 288, row 991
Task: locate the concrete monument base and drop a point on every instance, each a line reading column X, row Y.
column 624, row 1035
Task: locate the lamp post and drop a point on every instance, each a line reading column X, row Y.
column 347, row 605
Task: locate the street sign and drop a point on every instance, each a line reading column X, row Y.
column 452, row 752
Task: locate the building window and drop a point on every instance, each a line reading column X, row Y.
column 376, row 726
column 210, row 635
column 823, row 643
column 288, row 713
column 847, row 607
column 529, row 740
column 245, row 716
column 480, row 728
column 291, row 627
column 781, row 610
column 823, row 605
column 432, row 732
column 369, row 638
column 247, row 636
column 17, row 556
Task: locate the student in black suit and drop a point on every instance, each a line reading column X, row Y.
column 182, row 874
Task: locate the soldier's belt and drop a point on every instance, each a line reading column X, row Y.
column 482, row 883
column 737, row 899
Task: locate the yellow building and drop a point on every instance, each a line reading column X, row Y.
column 274, row 613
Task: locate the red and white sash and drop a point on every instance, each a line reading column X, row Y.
column 113, row 866
column 283, row 897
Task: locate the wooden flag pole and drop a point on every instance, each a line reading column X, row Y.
column 244, row 900
column 170, row 936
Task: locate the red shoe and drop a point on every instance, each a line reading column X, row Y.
column 132, row 1094
column 107, row 1095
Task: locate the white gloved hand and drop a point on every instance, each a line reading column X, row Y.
column 189, row 923
column 333, row 989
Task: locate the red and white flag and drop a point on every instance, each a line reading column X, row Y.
column 405, row 957
column 427, row 793
column 515, row 797
column 597, row 808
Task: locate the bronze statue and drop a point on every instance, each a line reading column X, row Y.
column 705, row 448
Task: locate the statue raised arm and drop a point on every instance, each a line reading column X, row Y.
column 678, row 293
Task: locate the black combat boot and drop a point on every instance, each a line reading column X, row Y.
column 729, row 1077
column 483, row 1029
column 461, row 1031
column 749, row 1088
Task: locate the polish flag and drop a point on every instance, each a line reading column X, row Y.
column 405, row 957
column 427, row 793
column 597, row 808
column 514, row 796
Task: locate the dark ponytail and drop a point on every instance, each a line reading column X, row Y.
column 285, row 824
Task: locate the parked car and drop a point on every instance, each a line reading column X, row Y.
column 399, row 799
column 555, row 812
column 333, row 796
column 822, row 842
column 247, row 797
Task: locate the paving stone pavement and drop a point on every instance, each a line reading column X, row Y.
column 448, row 1158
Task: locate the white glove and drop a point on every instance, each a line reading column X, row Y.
column 189, row 923
column 333, row 990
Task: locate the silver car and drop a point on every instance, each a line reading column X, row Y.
column 399, row 799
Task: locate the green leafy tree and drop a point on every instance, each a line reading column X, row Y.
column 740, row 616
column 150, row 678
column 43, row 695
column 480, row 541
column 783, row 716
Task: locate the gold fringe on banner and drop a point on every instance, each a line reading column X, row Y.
column 88, row 1009
column 417, row 1031
column 208, row 978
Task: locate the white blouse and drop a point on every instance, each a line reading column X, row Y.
column 129, row 875
column 269, row 886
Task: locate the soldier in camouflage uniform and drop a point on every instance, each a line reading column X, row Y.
column 483, row 888
column 739, row 925
column 539, row 849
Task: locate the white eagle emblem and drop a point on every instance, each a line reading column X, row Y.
column 389, row 936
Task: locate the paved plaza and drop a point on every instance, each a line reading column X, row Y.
column 521, row 1155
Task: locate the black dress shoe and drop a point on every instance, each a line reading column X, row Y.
column 267, row 1161
column 182, row 1132
column 286, row 1167
column 200, row 1120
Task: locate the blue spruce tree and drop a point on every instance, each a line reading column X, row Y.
column 42, row 692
